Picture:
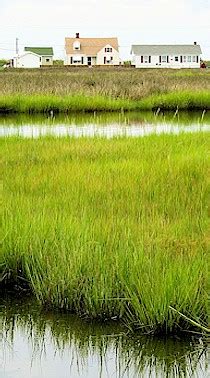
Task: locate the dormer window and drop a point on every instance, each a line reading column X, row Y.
column 108, row 49
column 76, row 45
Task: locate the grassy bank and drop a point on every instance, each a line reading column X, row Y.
column 78, row 103
column 115, row 89
column 58, row 104
column 110, row 228
column 133, row 84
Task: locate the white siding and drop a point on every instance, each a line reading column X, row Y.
column 172, row 63
column 114, row 54
column 28, row 60
column 47, row 60
column 77, row 59
column 95, row 60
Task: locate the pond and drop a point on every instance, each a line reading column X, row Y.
column 37, row 343
column 103, row 125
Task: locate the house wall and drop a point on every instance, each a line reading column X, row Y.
column 79, row 63
column 47, row 60
column 155, row 62
column 114, row 54
column 96, row 60
column 27, row 61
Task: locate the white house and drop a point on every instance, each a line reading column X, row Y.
column 45, row 54
column 166, row 56
column 34, row 57
column 26, row 60
column 91, row 51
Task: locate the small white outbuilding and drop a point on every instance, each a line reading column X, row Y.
column 27, row 60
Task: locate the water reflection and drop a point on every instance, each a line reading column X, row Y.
column 35, row 343
column 103, row 125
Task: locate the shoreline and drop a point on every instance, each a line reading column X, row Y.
column 50, row 104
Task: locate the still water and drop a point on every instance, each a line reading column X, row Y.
column 103, row 125
column 36, row 343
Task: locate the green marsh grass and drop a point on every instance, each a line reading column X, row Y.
column 79, row 103
column 47, row 103
column 178, row 100
column 110, row 228
column 66, row 89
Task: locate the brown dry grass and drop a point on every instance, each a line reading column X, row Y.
column 115, row 82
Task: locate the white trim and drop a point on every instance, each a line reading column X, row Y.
column 26, row 53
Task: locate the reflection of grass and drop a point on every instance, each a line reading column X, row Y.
column 110, row 227
column 80, row 103
column 106, row 118
column 75, row 337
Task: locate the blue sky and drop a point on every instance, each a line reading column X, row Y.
column 48, row 22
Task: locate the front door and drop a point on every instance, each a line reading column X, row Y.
column 89, row 60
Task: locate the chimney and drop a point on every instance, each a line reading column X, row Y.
column 195, row 43
column 77, row 35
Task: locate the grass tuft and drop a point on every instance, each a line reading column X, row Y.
column 110, row 228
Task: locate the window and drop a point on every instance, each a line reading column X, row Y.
column 145, row 59
column 76, row 45
column 47, row 60
column 176, row 58
column 108, row 60
column 184, row 58
column 189, row 59
column 163, row 59
column 108, row 49
column 194, row 59
column 77, row 59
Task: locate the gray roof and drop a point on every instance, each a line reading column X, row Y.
column 166, row 49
